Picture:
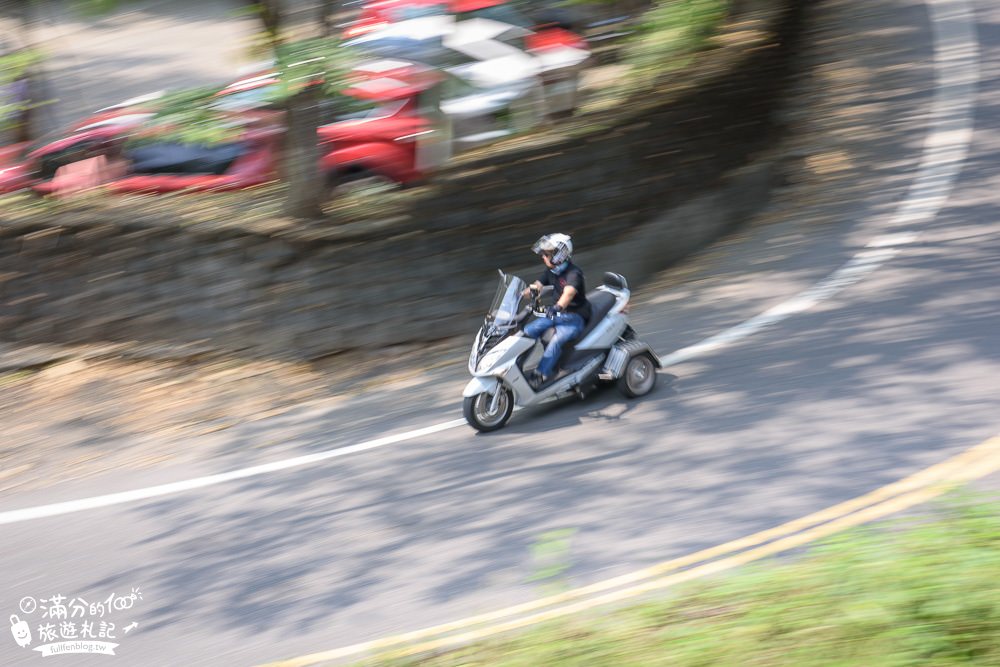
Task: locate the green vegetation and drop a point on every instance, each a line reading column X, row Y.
column 672, row 32
column 14, row 67
column 94, row 8
column 187, row 116
column 551, row 554
column 916, row 591
column 195, row 116
column 323, row 61
column 14, row 377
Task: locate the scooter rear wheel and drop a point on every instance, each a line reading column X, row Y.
column 639, row 376
column 477, row 410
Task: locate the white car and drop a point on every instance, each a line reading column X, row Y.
column 496, row 86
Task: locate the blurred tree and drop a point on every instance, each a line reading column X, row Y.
column 327, row 9
column 17, row 102
column 308, row 70
column 20, row 63
column 271, row 17
column 596, row 8
column 306, row 75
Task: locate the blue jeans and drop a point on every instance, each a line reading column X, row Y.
column 568, row 326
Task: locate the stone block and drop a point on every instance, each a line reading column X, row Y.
column 41, row 242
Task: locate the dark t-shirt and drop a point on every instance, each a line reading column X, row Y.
column 571, row 276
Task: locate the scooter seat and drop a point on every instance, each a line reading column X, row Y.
column 601, row 303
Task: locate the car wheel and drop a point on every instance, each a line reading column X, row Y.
column 361, row 183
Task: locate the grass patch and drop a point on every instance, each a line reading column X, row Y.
column 261, row 207
column 917, row 591
column 670, row 34
column 11, row 378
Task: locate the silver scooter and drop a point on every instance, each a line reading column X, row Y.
column 608, row 350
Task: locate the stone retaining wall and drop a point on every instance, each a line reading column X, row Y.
column 660, row 181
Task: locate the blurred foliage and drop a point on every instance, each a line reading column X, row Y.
column 187, row 116
column 924, row 590
column 670, row 33
column 95, row 7
column 14, row 68
column 551, row 556
column 319, row 61
column 192, row 116
column 16, row 64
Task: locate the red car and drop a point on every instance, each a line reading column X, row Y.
column 391, row 133
column 380, row 13
column 13, row 173
column 35, row 164
column 383, row 125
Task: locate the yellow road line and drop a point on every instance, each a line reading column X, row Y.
column 976, row 462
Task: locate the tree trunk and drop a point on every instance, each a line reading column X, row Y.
column 31, row 87
column 306, row 188
column 326, row 19
column 26, row 128
column 739, row 7
column 271, row 18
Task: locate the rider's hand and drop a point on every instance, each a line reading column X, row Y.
column 551, row 311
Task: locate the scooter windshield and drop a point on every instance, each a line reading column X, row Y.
column 506, row 304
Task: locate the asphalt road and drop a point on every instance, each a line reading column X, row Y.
column 892, row 373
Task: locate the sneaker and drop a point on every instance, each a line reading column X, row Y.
column 536, row 379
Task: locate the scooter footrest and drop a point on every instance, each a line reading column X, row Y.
column 618, row 356
column 615, row 363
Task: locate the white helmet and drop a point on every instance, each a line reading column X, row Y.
column 560, row 245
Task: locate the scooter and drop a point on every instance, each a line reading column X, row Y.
column 608, row 350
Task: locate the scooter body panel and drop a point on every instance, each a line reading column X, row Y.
column 605, row 333
column 478, row 385
column 502, row 355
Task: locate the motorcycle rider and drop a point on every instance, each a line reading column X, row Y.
column 571, row 311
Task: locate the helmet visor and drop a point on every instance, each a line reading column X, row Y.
column 543, row 246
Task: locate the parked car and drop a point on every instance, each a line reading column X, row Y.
column 488, row 53
column 34, row 164
column 397, row 122
column 380, row 13
column 459, row 114
column 395, row 136
column 14, row 174
column 547, row 25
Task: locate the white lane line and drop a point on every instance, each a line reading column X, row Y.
column 14, row 516
column 956, row 54
column 854, row 270
column 956, row 58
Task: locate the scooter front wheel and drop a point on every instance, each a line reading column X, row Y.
column 487, row 412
